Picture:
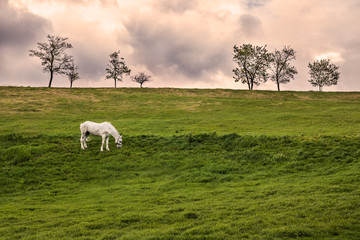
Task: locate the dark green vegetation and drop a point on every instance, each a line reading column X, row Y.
column 280, row 165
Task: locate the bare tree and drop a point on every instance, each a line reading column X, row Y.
column 52, row 55
column 72, row 71
column 323, row 73
column 282, row 71
column 253, row 62
column 116, row 68
column 141, row 78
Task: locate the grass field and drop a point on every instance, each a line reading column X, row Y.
column 195, row 164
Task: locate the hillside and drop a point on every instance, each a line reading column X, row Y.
column 168, row 112
column 195, row 164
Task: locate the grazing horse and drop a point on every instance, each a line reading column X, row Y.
column 104, row 130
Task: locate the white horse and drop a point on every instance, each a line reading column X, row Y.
column 104, row 130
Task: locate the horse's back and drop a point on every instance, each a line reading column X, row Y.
column 95, row 128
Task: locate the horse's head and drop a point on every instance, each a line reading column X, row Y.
column 118, row 142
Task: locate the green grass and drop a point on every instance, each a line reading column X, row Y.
column 165, row 112
column 195, row 164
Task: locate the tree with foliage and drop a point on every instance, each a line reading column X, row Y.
column 253, row 62
column 72, row 71
column 141, row 78
column 282, row 71
column 116, row 68
column 52, row 55
column 323, row 73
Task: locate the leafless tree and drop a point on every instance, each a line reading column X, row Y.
column 141, row 78
column 72, row 71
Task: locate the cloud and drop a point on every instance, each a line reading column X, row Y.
column 91, row 45
column 324, row 27
column 159, row 46
column 185, row 44
column 255, row 3
column 177, row 6
column 250, row 25
column 19, row 27
column 19, row 31
column 182, row 43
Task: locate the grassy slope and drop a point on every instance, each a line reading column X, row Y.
column 291, row 171
column 166, row 112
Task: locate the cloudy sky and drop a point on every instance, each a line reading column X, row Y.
column 181, row 43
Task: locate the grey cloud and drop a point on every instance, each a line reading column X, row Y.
column 178, row 6
column 91, row 61
column 249, row 25
column 164, row 47
column 19, row 27
column 255, row 3
column 19, row 31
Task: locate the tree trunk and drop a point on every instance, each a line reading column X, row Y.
column 141, row 85
column 71, row 83
column 115, row 82
column 320, row 88
column 51, row 77
column 278, row 85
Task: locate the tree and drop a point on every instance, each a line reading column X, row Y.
column 52, row 55
column 116, row 68
column 72, row 71
column 282, row 71
column 323, row 73
column 141, row 78
column 253, row 62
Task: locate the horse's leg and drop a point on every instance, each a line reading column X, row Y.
column 81, row 143
column 82, row 140
column 107, row 143
column 102, row 143
column 85, row 137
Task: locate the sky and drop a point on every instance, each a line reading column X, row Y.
column 180, row 43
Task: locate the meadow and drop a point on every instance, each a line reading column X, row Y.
column 195, row 164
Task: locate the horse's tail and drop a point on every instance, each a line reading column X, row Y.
column 82, row 127
column 84, row 130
